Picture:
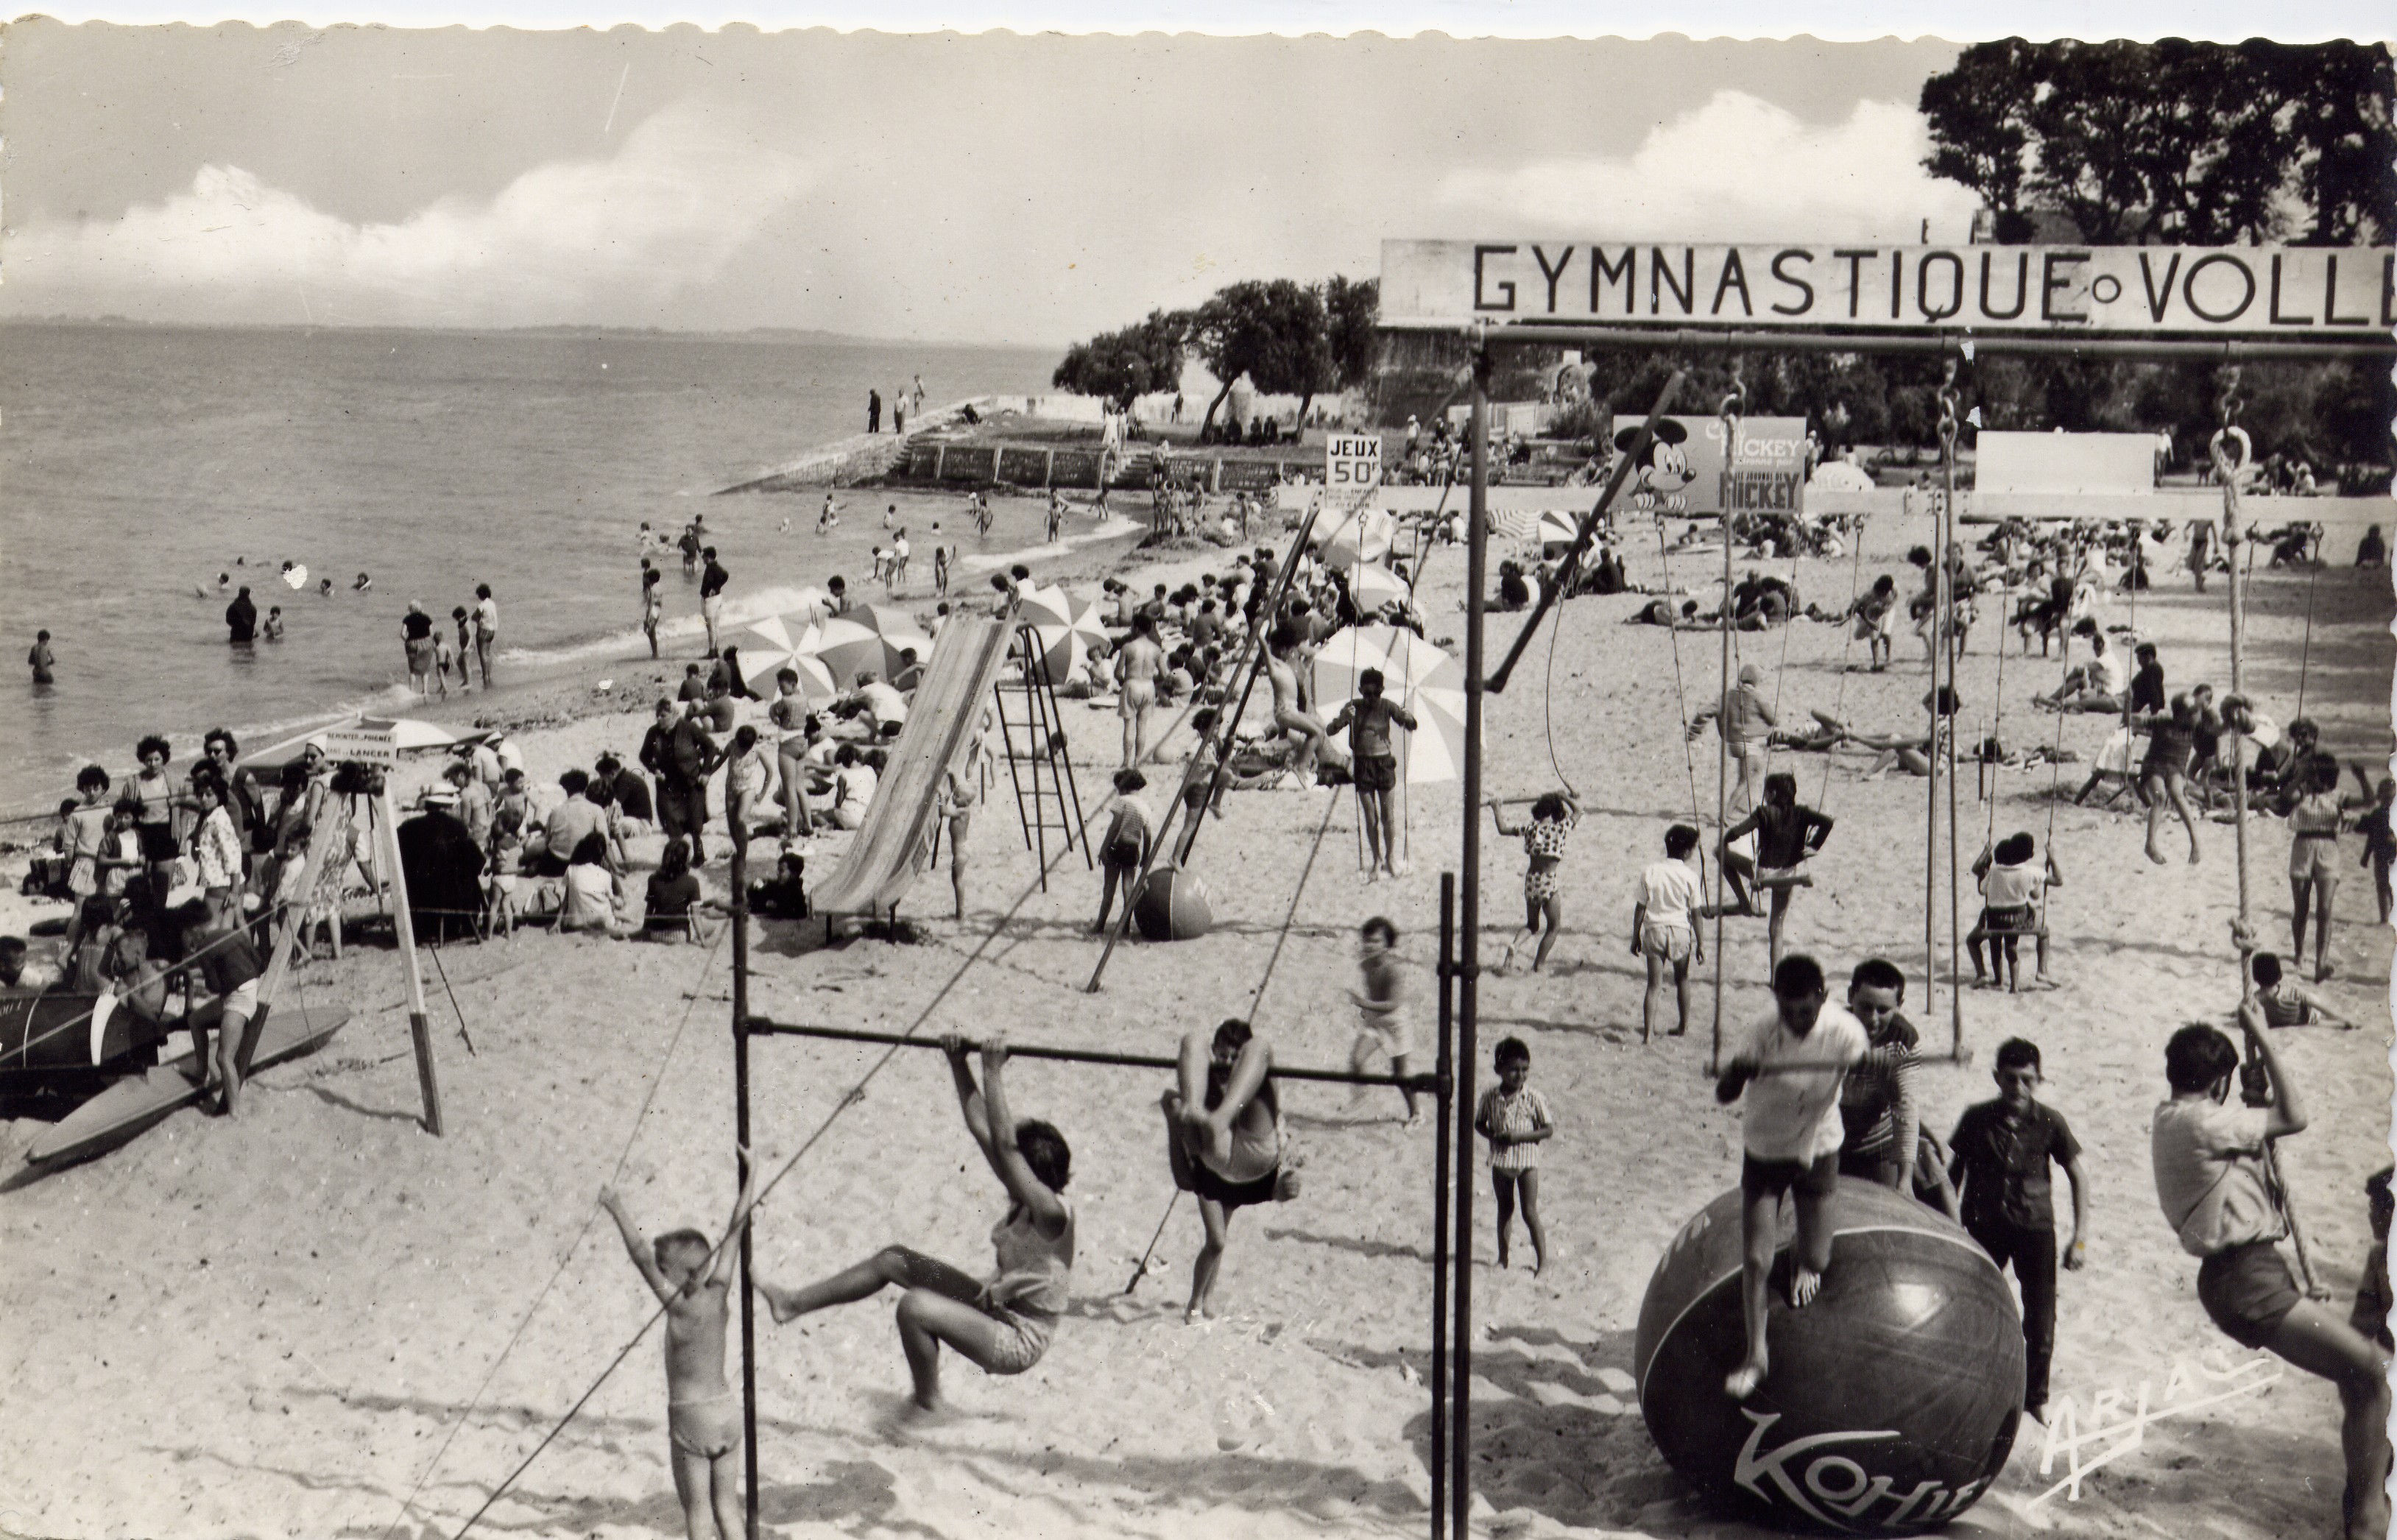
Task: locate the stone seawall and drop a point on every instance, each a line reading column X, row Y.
column 859, row 457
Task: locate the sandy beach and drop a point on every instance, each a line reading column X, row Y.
column 319, row 1320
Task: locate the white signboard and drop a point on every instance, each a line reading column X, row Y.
column 1352, row 461
column 2293, row 291
column 363, row 742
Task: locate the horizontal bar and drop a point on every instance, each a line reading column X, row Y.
column 1549, row 334
column 764, row 1028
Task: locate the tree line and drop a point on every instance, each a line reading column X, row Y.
column 1288, row 337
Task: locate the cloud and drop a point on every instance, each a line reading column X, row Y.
column 682, row 193
column 1736, row 168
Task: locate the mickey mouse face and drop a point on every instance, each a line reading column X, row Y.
column 1665, row 465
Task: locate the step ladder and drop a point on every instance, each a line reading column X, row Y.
column 1037, row 759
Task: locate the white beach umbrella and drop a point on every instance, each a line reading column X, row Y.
column 846, row 647
column 1370, row 587
column 1050, row 605
column 1356, row 538
column 1064, row 651
column 1839, row 475
column 899, row 631
column 1557, row 527
column 1416, row 676
column 816, row 687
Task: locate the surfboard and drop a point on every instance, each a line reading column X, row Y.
column 140, row 1100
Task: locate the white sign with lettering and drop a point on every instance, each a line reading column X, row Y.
column 2282, row 290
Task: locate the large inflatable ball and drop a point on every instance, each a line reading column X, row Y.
column 1173, row 906
column 1893, row 1397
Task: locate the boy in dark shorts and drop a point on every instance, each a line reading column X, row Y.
column 1999, row 1155
column 1125, row 844
column 2219, row 1194
column 1223, row 1141
column 1791, row 1066
column 1787, row 834
column 1375, row 768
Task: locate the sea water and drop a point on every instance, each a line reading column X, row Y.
column 137, row 463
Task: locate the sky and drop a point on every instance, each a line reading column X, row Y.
column 997, row 188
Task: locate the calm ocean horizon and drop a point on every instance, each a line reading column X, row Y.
column 140, row 462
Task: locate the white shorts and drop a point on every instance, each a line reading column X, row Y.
column 243, row 1000
column 1667, row 943
column 1390, row 1036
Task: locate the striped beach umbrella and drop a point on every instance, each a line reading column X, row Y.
column 1371, row 586
column 1356, row 538
column 1065, row 652
column 1416, row 676
column 847, row 648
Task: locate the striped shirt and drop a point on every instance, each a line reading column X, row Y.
column 1510, row 1120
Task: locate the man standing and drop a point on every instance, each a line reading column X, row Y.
column 1744, row 721
column 873, row 411
column 683, row 808
column 241, row 620
column 486, row 631
column 711, row 579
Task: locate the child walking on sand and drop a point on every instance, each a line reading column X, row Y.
column 692, row 1280
column 1999, row 1155
column 1664, row 928
column 1515, row 1121
column 1543, row 835
column 1381, row 1007
column 1792, row 1068
column 1126, row 845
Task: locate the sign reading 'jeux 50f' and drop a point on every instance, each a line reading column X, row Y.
column 2313, row 290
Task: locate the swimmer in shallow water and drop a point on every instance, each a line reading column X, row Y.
column 362, row 585
column 324, row 588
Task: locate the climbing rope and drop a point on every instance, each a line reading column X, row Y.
column 1848, row 636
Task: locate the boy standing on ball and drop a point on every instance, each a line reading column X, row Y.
column 1797, row 1059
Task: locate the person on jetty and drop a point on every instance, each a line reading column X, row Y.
column 1223, row 1141
column 1004, row 1324
column 692, row 1282
column 2217, row 1189
column 1791, row 1070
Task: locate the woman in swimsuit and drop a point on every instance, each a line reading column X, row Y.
column 2313, row 859
column 1001, row 1324
column 1223, row 1125
column 1137, row 669
column 156, row 821
column 1553, row 817
column 1281, row 672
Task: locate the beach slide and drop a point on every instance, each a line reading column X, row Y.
column 881, row 860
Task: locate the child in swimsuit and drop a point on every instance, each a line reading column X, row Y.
column 2314, row 857
column 1543, row 835
column 692, row 1282
column 1003, row 1323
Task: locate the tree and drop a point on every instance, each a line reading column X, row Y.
column 1352, row 310
column 1120, row 367
column 1979, row 115
column 1271, row 331
column 2199, row 142
column 2340, row 130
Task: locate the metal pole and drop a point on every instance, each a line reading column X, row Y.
column 1422, row 1084
column 1930, row 789
column 1477, row 558
column 1947, row 517
column 419, row 1026
column 1722, row 750
column 1444, row 1066
column 741, row 1138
